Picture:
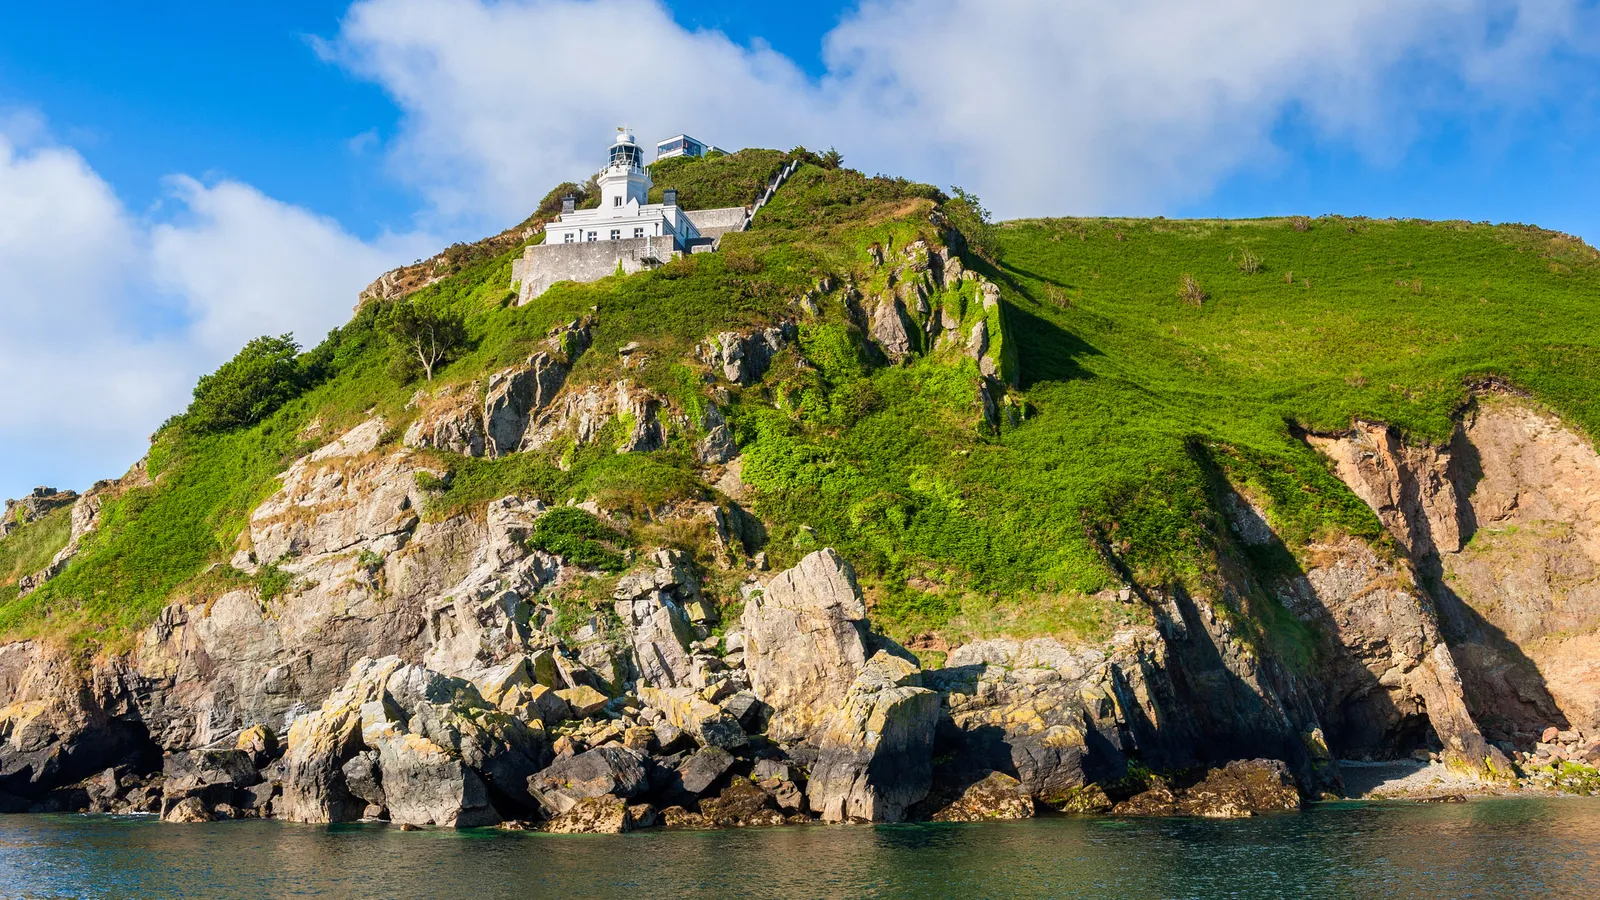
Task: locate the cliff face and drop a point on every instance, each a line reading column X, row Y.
column 542, row 589
column 1501, row 524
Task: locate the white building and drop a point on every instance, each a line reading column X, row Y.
column 626, row 233
column 625, row 211
column 681, row 145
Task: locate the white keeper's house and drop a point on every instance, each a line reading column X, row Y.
column 626, row 229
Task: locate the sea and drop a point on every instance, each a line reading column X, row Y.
column 1519, row 847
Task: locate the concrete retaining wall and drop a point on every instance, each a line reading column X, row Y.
column 543, row 265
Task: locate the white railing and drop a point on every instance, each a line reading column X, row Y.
column 767, row 195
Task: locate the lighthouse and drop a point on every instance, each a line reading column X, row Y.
column 625, row 232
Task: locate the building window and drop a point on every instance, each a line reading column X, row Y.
column 568, row 237
column 638, row 232
column 592, row 237
column 616, row 201
column 616, row 234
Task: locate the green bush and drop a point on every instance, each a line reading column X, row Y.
column 246, row 389
column 579, row 538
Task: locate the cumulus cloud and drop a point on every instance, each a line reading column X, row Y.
column 245, row 264
column 107, row 319
column 1043, row 106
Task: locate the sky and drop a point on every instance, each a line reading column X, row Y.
column 177, row 178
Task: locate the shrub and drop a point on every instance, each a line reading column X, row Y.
column 1189, row 290
column 579, row 538
column 249, row 387
column 967, row 215
column 1249, row 263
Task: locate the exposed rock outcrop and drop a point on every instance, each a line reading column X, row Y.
column 1503, row 525
column 875, row 756
column 1241, row 788
column 743, row 358
column 440, row 747
column 804, row 643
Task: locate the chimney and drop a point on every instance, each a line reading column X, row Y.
column 670, row 196
column 568, row 204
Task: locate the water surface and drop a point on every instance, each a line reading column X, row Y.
column 1488, row 848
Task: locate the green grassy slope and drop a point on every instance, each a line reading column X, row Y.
column 31, row 547
column 1138, row 402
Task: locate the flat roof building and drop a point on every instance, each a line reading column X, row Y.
column 681, row 145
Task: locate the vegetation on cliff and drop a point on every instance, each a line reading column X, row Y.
column 1157, row 362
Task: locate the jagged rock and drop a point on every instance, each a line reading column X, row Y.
column 593, row 815
column 707, row 723
column 741, row 805
column 38, row 504
column 650, row 603
column 875, row 755
column 363, row 778
column 485, row 616
column 516, row 395
column 744, row 358
column 449, row 421
column 1036, row 708
column 604, row 771
column 892, row 329
column 997, row 796
column 703, row 768
column 803, row 643
column 340, row 498
column 718, row 445
column 1241, row 788
column 188, row 810
column 583, row 700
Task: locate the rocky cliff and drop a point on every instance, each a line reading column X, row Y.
column 574, row 583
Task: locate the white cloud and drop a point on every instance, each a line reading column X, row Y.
column 505, row 100
column 106, row 321
column 246, row 264
column 1043, row 106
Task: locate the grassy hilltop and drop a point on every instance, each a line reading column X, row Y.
column 1155, row 359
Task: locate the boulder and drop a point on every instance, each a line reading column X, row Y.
column 803, row 643
column 707, row 723
column 593, row 815
column 260, row 743
column 188, row 810
column 997, row 796
column 583, row 700
column 604, row 771
column 741, row 805
column 650, row 604
column 363, row 778
column 702, row 769
column 875, row 757
column 440, row 748
column 1243, row 787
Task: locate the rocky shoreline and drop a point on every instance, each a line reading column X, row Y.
column 799, row 714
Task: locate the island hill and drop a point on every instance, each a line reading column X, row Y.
column 876, row 510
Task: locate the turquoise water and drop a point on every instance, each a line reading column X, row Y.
column 1490, row 848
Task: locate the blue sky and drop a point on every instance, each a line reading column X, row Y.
column 176, row 178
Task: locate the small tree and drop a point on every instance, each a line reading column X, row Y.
column 424, row 335
column 967, row 215
column 246, row 389
column 832, row 159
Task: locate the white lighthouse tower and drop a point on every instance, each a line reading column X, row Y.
column 625, row 212
column 625, row 180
